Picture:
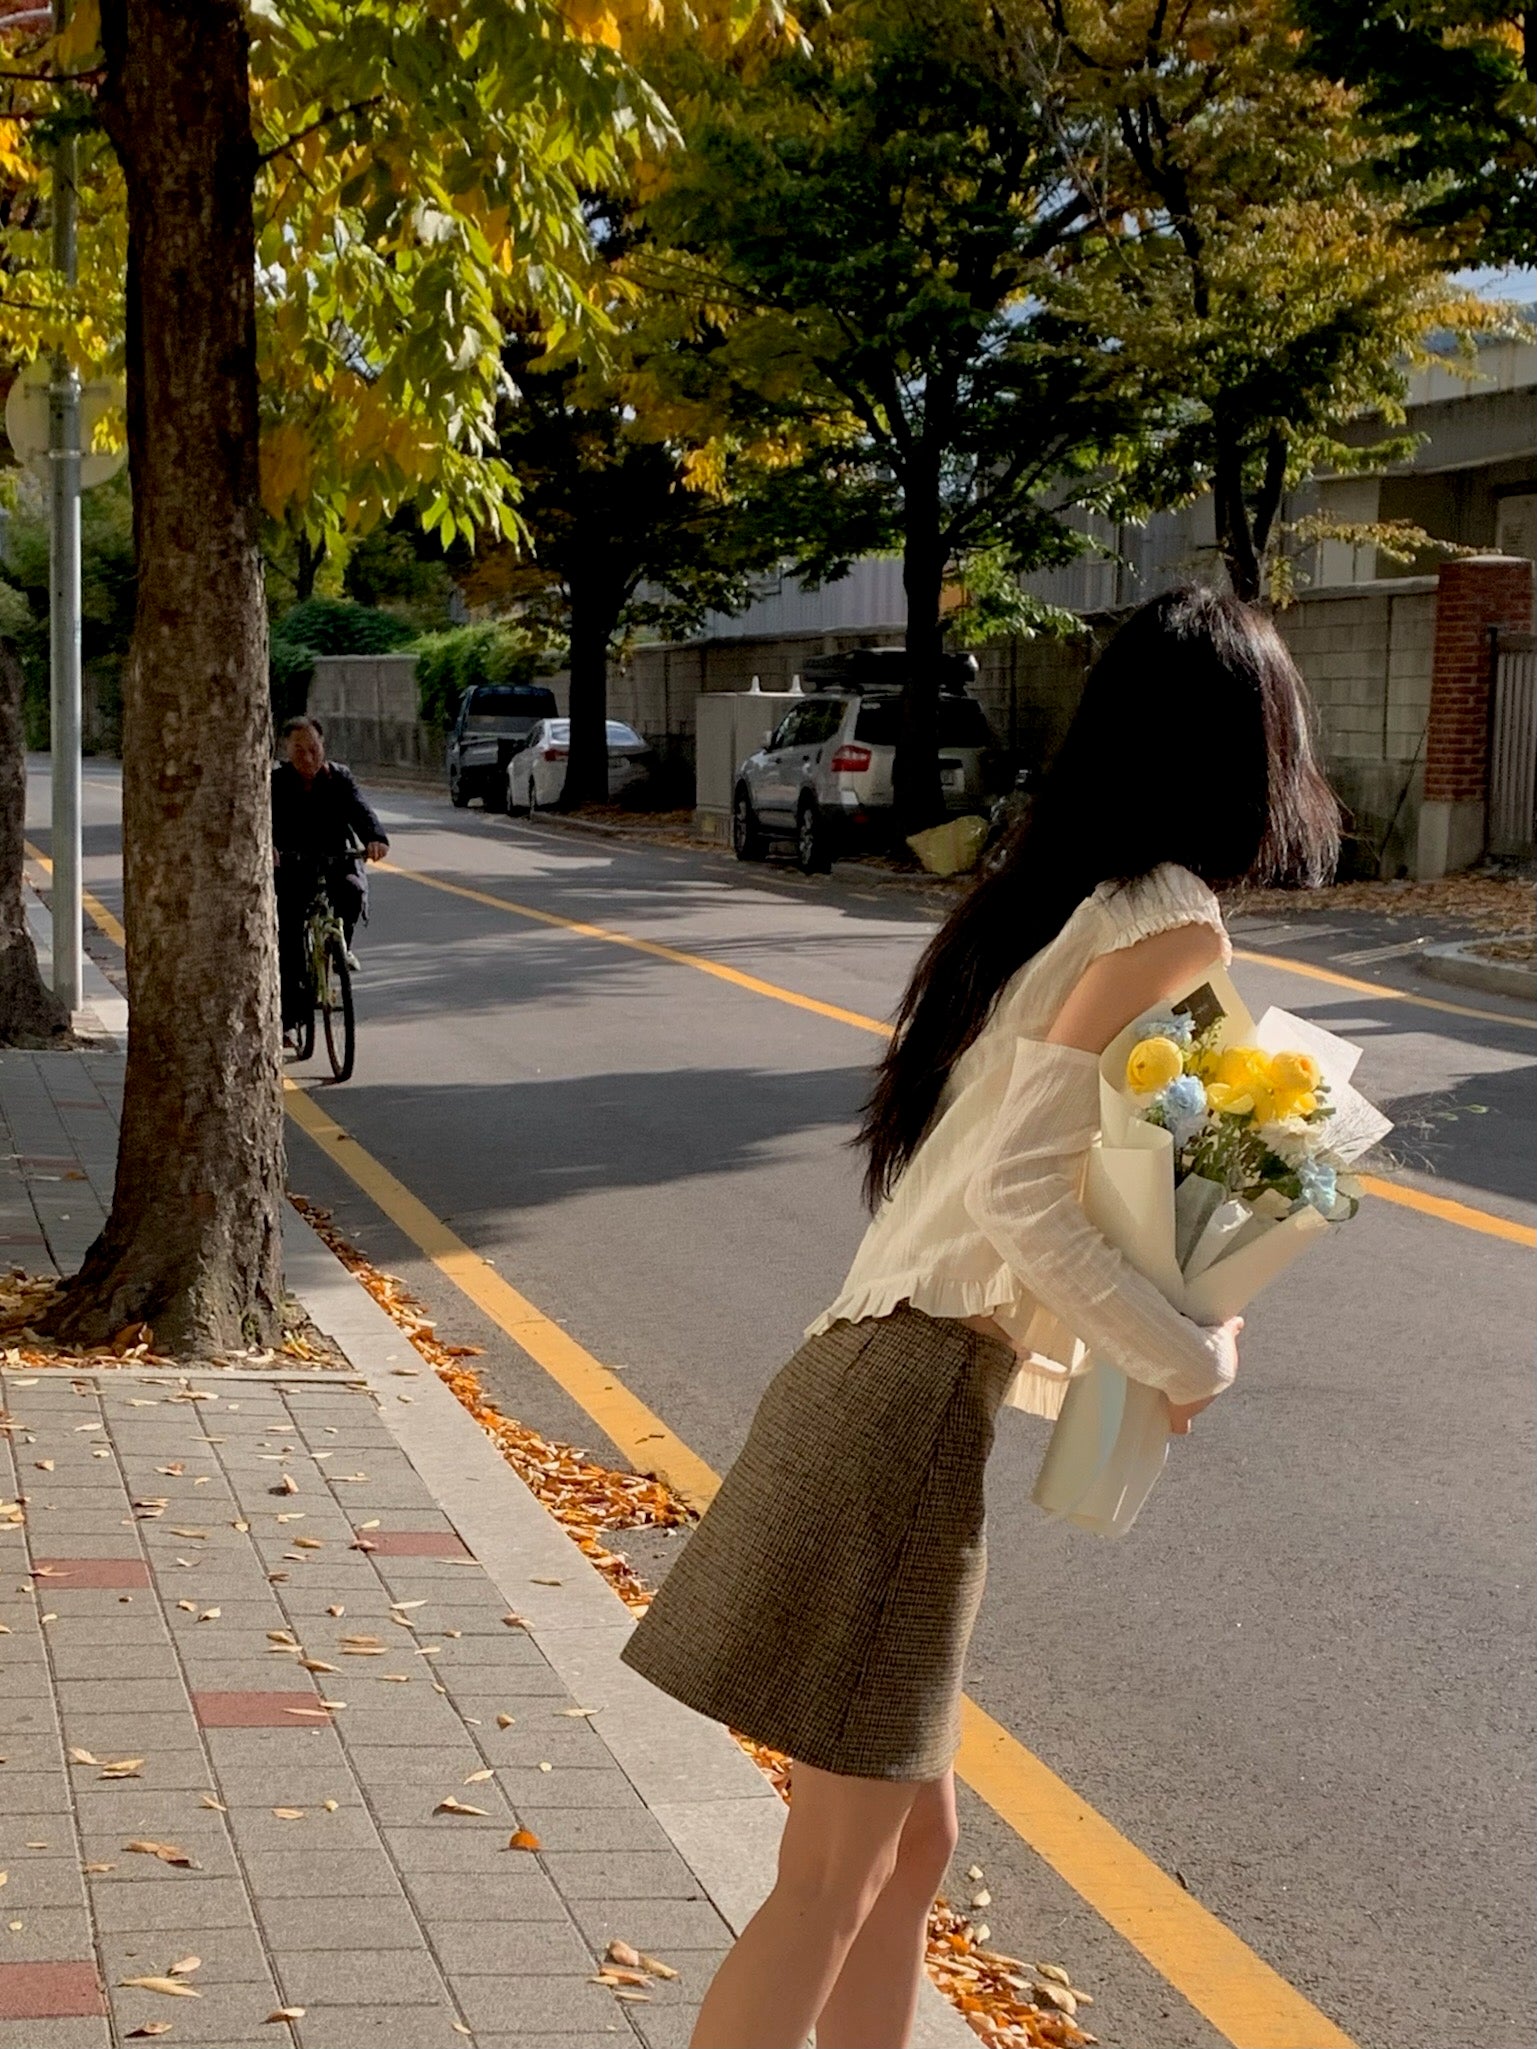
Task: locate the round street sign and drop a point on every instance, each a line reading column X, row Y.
column 26, row 422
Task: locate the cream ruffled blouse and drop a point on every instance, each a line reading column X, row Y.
column 923, row 1246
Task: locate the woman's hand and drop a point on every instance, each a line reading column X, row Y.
column 1183, row 1414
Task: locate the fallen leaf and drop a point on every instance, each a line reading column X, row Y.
column 505, row 1721
column 187, row 1607
column 578, row 1712
column 309, row 1544
column 546, row 1582
column 172, row 1988
column 621, row 1953
column 525, row 1839
column 335, row 1706
column 975, row 1871
column 337, row 1609
column 149, row 2028
column 44, row 1465
column 168, row 1853
column 183, row 1966
column 403, row 1605
column 83, row 1757
column 982, row 1899
column 95, row 1870
column 316, row 1665
column 1057, row 1996
column 189, row 1533
column 514, row 1622
column 241, row 1526
column 1053, row 1973
column 479, row 1778
column 210, row 1615
column 458, row 2027
column 632, row 1998
column 286, row 2013
column 287, row 1485
column 450, row 1805
column 545, row 1766
column 395, row 1678
column 122, row 1768
column 373, row 1525
column 288, row 1813
column 314, row 1714
column 331, row 1806
column 218, row 1806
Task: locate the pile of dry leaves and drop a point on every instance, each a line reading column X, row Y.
column 1009, row 2004
column 1484, row 903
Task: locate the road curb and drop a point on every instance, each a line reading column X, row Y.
column 711, row 1801
column 1460, row 963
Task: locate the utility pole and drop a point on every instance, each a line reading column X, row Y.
column 64, row 596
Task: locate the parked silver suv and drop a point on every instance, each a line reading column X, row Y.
column 824, row 777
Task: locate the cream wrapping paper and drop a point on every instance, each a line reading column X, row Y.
column 1112, row 1434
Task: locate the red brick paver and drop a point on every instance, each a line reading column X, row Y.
column 49, row 1992
column 258, row 1710
column 64, row 1574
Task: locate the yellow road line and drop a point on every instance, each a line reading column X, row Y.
column 1205, row 1962
column 94, row 908
column 705, row 966
column 1440, row 1207
column 1300, row 967
column 1200, row 1956
column 1448, row 1212
column 644, row 1438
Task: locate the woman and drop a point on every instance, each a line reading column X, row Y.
column 824, row 1604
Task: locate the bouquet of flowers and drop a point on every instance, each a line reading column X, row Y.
column 1225, row 1148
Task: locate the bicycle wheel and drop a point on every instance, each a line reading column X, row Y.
column 336, row 1011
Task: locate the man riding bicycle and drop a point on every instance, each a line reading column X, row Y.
column 318, row 816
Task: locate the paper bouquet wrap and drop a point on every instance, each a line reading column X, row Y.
column 1207, row 1251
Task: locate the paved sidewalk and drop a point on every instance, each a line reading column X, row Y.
column 261, row 1621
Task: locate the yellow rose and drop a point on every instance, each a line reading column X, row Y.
column 1230, row 1099
column 1295, row 1073
column 1152, row 1064
column 1245, row 1068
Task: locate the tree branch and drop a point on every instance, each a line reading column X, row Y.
column 322, row 120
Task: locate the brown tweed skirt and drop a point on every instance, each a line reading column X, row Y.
column 824, row 1604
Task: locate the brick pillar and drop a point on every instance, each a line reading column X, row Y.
column 1473, row 597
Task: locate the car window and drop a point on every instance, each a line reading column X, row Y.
column 507, row 707
column 962, row 722
column 784, row 733
column 820, row 721
column 621, row 735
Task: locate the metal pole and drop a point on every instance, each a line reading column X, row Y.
column 64, row 603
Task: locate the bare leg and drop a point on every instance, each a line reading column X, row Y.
column 876, row 1996
column 839, row 1850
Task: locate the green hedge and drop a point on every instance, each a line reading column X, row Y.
column 448, row 664
column 324, row 626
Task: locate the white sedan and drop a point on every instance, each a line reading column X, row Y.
column 536, row 774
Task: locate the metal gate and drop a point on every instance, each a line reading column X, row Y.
column 1513, row 748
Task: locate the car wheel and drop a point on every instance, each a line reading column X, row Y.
column 747, row 841
column 458, row 795
column 811, row 851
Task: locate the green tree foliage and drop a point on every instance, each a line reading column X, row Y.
column 1259, row 265
column 874, row 227
column 1453, row 79
column 107, row 586
column 324, row 626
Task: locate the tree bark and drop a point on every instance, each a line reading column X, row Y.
column 916, row 790
column 30, row 1013
column 192, row 1244
column 594, row 615
column 1235, row 534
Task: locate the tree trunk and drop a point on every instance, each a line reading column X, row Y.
column 594, row 616
column 1235, row 534
column 308, row 556
column 192, row 1246
column 916, row 788
column 30, row 1013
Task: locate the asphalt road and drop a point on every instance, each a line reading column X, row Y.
column 1303, row 1684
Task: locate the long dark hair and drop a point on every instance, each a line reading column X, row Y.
column 1192, row 744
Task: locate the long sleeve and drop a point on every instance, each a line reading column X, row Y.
column 1023, row 1196
column 361, row 816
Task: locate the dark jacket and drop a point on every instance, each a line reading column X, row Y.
column 315, row 824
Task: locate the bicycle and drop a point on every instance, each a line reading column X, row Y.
column 330, row 986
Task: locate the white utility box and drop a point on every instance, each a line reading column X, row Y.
column 728, row 726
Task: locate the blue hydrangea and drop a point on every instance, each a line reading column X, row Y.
column 1318, row 1184
column 1180, row 1028
column 1183, row 1104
